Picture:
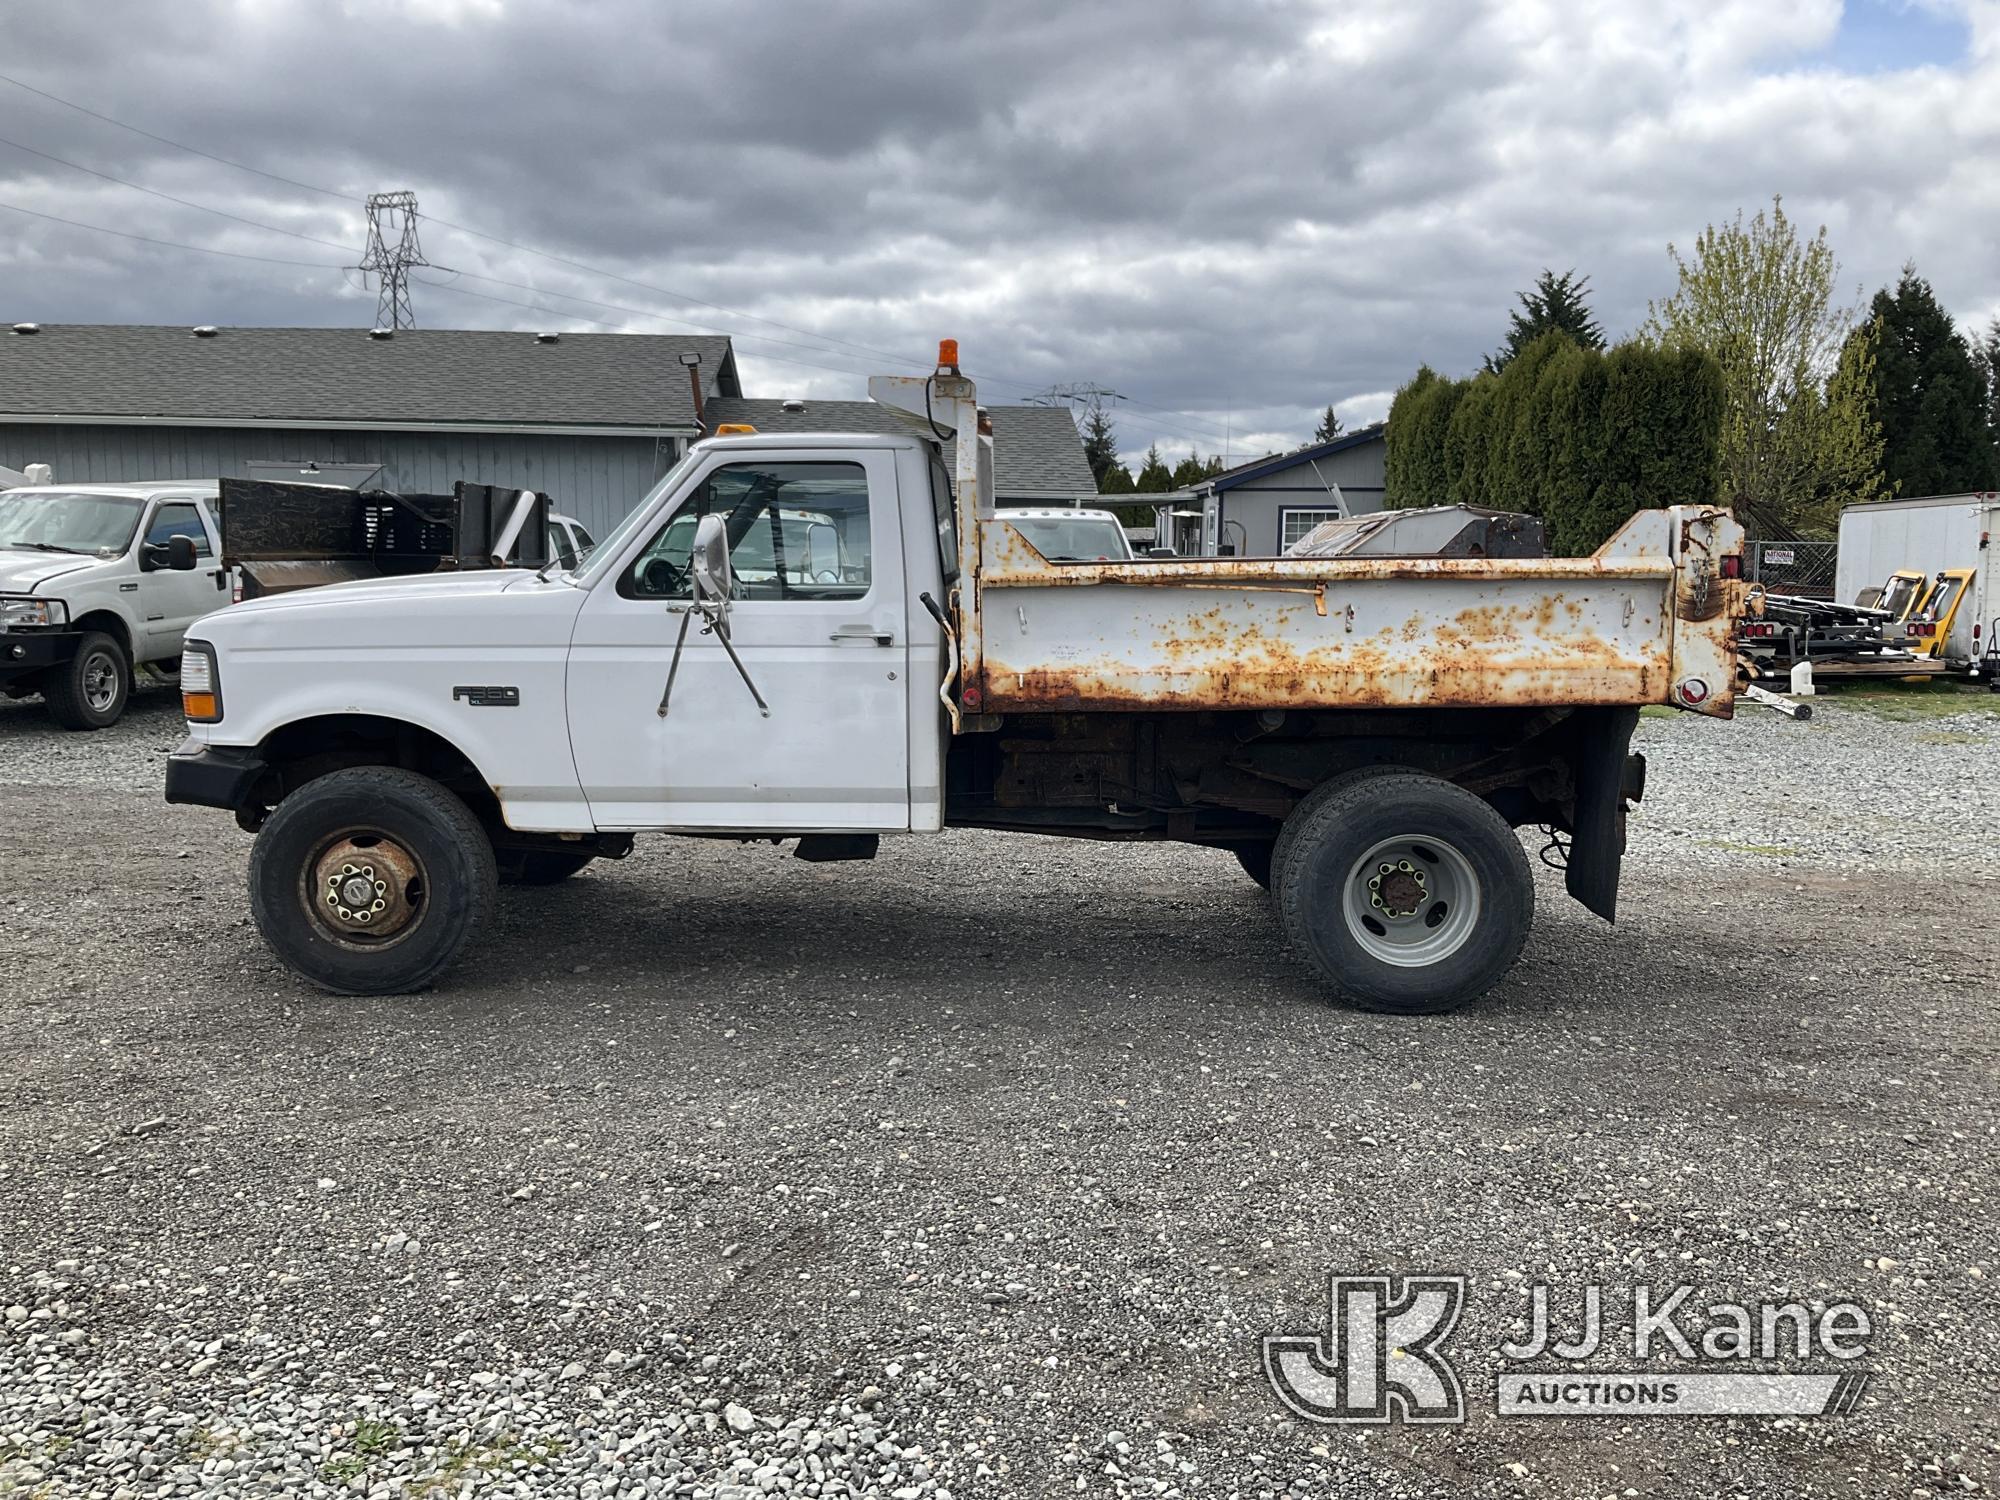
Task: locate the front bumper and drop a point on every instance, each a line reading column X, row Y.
column 213, row 775
column 23, row 653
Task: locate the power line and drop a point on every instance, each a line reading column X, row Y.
column 825, row 339
column 623, row 327
column 147, row 239
column 169, row 197
column 646, row 312
column 177, row 145
column 577, row 265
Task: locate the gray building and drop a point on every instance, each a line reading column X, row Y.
column 1038, row 456
column 1259, row 509
column 593, row 419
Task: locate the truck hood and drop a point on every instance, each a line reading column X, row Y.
column 22, row 571
column 436, row 611
column 376, row 593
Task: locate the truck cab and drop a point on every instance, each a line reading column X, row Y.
column 97, row 580
column 830, row 638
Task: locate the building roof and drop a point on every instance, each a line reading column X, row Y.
column 1257, row 468
column 429, row 377
column 1037, row 451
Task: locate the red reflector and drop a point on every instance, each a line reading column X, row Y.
column 1732, row 567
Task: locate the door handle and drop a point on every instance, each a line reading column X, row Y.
column 864, row 633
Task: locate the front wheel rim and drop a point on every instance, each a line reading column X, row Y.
column 364, row 889
column 100, row 681
column 1411, row 901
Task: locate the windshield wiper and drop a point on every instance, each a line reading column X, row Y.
column 47, row 547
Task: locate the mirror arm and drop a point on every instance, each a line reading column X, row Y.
column 674, row 666
column 711, row 625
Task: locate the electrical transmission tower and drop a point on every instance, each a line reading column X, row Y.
column 1075, row 393
column 392, row 216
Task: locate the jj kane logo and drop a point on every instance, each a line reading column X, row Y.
column 1383, row 1357
column 1384, row 1349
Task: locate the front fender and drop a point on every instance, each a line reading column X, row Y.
column 519, row 745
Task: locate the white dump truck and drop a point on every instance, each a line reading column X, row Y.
column 1365, row 735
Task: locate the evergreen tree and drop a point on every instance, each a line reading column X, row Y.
column 1116, row 481
column 1154, row 477
column 1991, row 373
column 1329, row 426
column 1555, row 305
column 1191, row 471
column 1100, row 444
column 1929, row 393
column 1581, row 438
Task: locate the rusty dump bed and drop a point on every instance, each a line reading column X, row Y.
column 1647, row 619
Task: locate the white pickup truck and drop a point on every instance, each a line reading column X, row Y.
column 1365, row 735
column 96, row 580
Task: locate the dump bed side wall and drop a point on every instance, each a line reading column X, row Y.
column 1646, row 620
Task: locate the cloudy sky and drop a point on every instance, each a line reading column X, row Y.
column 1230, row 213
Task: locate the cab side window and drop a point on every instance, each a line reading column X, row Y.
column 178, row 520
column 796, row 531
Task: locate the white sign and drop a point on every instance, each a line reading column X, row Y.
column 1780, row 557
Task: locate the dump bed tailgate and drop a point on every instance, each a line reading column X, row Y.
column 1647, row 619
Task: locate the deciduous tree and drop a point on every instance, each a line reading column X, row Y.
column 1797, row 441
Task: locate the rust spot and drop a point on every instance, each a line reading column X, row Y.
column 1519, row 638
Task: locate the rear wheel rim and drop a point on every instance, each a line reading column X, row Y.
column 1411, row 901
column 100, row 681
column 364, row 890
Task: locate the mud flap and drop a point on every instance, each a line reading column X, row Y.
column 1606, row 773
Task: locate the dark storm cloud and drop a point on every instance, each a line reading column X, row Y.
column 1238, row 210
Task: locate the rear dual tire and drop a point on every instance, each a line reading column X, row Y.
column 1405, row 893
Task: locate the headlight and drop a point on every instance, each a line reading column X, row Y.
column 201, row 684
column 19, row 612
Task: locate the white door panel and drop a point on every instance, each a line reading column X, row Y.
column 833, row 754
column 169, row 602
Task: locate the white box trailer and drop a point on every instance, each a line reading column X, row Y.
column 1927, row 534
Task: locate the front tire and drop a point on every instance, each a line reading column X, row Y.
column 1405, row 893
column 371, row 880
column 89, row 691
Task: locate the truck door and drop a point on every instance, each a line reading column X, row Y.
column 818, row 622
column 169, row 602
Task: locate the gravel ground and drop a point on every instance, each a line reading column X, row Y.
column 981, row 1170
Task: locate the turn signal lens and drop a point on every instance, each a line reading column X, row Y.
column 733, row 429
column 201, row 694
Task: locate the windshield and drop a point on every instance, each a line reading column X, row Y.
column 1080, row 540
column 614, row 540
column 1897, row 597
column 67, row 521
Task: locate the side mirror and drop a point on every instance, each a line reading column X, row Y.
column 180, row 553
column 1157, row 552
column 709, row 564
